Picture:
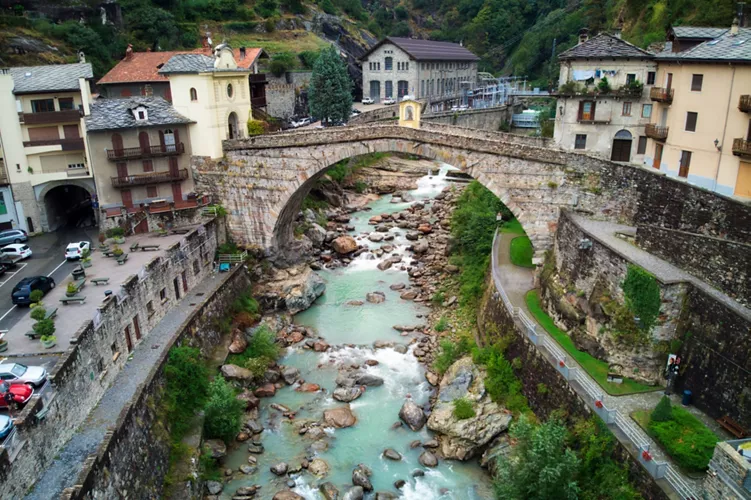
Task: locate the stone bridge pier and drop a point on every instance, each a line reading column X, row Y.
column 262, row 181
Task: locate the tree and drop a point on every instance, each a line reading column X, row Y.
column 540, row 465
column 663, row 411
column 330, row 89
column 223, row 411
column 281, row 63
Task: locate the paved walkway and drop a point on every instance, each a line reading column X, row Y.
column 64, row 471
column 516, row 282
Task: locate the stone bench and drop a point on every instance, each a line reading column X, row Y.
column 122, row 259
column 77, row 298
column 149, row 247
column 100, row 281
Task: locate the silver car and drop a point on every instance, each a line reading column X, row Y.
column 16, row 372
column 13, row 236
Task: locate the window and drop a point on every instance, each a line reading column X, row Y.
column 378, row 66
column 630, row 78
column 66, row 103
column 163, row 294
column 388, row 63
column 389, row 88
column 150, row 307
column 696, row 82
column 581, row 141
column 42, row 105
column 113, row 348
column 685, row 163
column 406, row 66
column 651, row 77
column 641, row 147
column 626, row 109
column 196, row 268
column 691, row 118
column 586, row 111
column 152, row 192
column 76, row 166
column 646, row 110
column 148, row 166
column 230, row 90
column 193, row 94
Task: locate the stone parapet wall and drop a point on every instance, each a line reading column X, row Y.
column 539, row 142
column 488, row 119
column 376, row 115
column 134, row 455
column 97, row 354
column 724, row 264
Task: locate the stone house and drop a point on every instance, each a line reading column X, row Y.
column 396, row 67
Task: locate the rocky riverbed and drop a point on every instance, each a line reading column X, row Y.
column 352, row 409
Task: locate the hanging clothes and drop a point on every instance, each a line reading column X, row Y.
column 581, row 75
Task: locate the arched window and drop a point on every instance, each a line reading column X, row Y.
column 193, row 94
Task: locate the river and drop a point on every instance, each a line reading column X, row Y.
column 352, row 330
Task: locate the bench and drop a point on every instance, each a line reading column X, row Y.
column 121, row 260
column 134, row 247
column 77, row 298
column 732, row 427
column 180, row 231
column 149, row 247
column 104, row 248
column 51, row 314
column 77, row 286
column 109, row 253
column 32, row 335
column 100, row 281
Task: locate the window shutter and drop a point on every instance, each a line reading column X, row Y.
column 594, row 105
column 581, row 110
column 161, row 141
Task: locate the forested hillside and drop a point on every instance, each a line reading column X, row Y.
column 511, row 36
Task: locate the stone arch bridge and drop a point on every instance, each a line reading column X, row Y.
column 262, row 181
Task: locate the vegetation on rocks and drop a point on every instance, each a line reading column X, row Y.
column 223, row 412
column 642, row 294
column 463, row 409
column 185, row 391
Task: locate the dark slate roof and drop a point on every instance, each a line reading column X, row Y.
column 114, row 114
column 52, row 78
column 193, row 63
column 697, row 32
column 427, row 50
column 605, row 46
column 726, row 48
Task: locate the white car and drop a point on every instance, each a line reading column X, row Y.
column 74, row 251
column 389, row 101
column 18, row 250
column 408, row 98
column 367, row 100
column 16, row 372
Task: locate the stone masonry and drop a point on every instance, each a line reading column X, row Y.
column 729, row 474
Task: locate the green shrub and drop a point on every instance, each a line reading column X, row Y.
column 521, row 252
column 258, row 366
column 502, row 385
column 38, row 313
column 281, row 63
column 263, row 344
column 223, row 412
column 604, row 85
column 115, row 232
column 308, row 58
column 442, row 325
column 438, row 298
column 360, row 187
column 36, row 295
column 208, row 467
column 663, row 411
column 686, row 439
column 241, row 26
column 463, row 409
column 245, row 303
column 44, row 328
column 642, row 294
column 256, row 127
column 542, row 388
column 228, row 247
column 185, row 388
column 450, row 353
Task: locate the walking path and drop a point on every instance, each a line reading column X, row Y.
column 64, row 470
column 516, row 282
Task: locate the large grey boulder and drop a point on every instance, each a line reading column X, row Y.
column 412, row 415
column 354, row 493
column 340, row 417
column 316, row 234
column 360, row 477
column 347, row 394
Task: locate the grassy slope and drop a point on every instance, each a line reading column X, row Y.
column 596, row 369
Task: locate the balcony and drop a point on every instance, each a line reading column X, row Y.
column 150, row 178
column 744, row 103
column 659, row 94
column 257, row 78
column 656, row 132
column 741, row 147
column 67, row 144
column 150, row 152
column 69, row 115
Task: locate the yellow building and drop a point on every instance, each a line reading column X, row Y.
column 44, row 147
column 701, row 125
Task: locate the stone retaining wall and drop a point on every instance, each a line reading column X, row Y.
column 724, row 264
column 376, row 115
column 494, row 322
column 134, row 456
column 489, row 119
column 97, row 354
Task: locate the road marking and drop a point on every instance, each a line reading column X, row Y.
column 58, row 267
column 7, row 313
column 10, row 275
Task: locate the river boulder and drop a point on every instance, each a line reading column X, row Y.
column 239, row 342
column 318, row 467
column 236, row 373
column 287, row 495
column 392, row 454
column 340, row 417
column 329, row 491
column 344, row 245
column 294, row 289
column 354, row 493
column 316, row 234
column 369, row 379
column 280, row 469
column 360, row 477
column 347, row 394
column 375, row 297
column 216, row 447
column 290, row 374
column 265, row 391
column 412, row 415
column 428, row 459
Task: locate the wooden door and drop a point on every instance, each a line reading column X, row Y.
column 743, row 182
column 143, row 141
column 122, row 170
column 173, row 170
column 177, row 192
column 621, row 150
column 128, row 341
column 136, row 326
column 658, row 156
column 117, row 144
column 185, row 282
column 142, row 227
column 177, row 288
column 127, row 198
column 161, row 141
column 685, row 164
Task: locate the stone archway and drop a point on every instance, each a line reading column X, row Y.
column 233, row 127
column 64, row 202
column 621, row 150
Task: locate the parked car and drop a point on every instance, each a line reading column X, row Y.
column 407, row 97
column 355, row 112
column 389, row 101
column 22, row 291
column 7, row 262
column 367, row 100
column 74, row 251
column 16, row 372
column 6, row 425
column 20, row 393
column 20, row 250
column 13, row 236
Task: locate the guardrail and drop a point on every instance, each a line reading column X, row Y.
column 233, row 258
column 594, row 397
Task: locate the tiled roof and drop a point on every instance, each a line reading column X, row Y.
column 193, row 63
column 697, row 32
column 726, row 48
column 114, row 114
column 605, row 46
column 145, row 66
column 51, row 78
column 427, row 50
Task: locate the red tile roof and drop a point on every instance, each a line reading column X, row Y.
column 144, row 66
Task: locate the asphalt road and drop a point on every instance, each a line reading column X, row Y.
column 47, row 259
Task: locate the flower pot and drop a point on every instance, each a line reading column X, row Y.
column 48, row 343
column 119, row 240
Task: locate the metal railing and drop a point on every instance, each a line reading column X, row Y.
column 741, row 147
column 150, row 178
column 146, row 151
column 592, row 392
column 233, row 258
column 656, row 132
column 12, row 443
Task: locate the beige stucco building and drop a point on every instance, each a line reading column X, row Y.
column 608, row 122
column 44, row 147
column 701, row 125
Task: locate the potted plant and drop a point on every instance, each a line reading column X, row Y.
column 117, row 234
column 72, row 290
column 36, row 298
column 117, row 251
column 3, row 345
column 86, row 258
column 102, row 239
column 48, row 341
column 45, row 329
column 38, row 313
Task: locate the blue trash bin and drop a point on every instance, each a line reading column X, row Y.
column 686, row 398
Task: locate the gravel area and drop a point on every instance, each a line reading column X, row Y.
column 64, row 470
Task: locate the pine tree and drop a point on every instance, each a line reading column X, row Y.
column 663, row 411
column 330, row 88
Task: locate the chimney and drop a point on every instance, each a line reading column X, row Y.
column 148, row 91
column 583, row 35
column 242, row 53
column 81, row 56
column 734, row 27
column 129, row 53
column 205, row 40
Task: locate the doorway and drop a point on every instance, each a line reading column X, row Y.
column 185, row 282
column 375, row 90
column 743, row 182
column 622, row 146
column 128, row 341
column 234, row 131
column 658, row 156
column 137, row 327
column 177, row 288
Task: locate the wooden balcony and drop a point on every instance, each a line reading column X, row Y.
column 659, row 94
column 744, row 103
column 149, row 178
column 49, row 117
column 257, row 78
column 656, row 132
column 741, row 147
column 67, row 144
column 150, row 152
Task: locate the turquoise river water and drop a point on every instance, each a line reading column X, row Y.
column 343, row 325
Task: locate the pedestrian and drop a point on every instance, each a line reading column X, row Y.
column 671, row 372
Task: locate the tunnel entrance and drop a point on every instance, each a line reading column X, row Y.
column 68, row 206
